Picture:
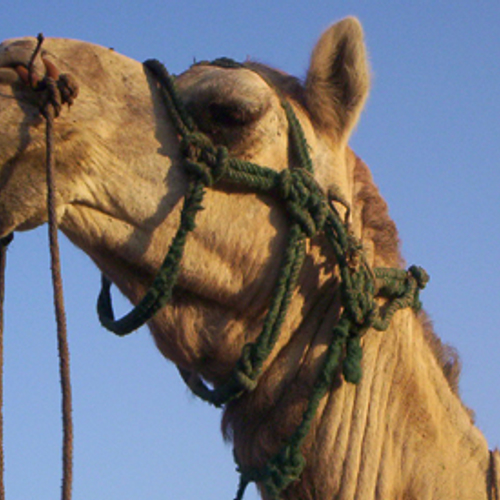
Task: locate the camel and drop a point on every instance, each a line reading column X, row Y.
column 402, row 432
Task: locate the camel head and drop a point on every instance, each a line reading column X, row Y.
column 236, row 107
column 22, row 142
column 119, row 181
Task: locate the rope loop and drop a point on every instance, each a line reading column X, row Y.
column 246, row 381
column 244, row 377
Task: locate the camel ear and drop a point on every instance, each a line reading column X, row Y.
column 338, row 79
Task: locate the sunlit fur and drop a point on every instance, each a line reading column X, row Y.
column 403, row 433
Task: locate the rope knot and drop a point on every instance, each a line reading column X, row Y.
column 193, row 144
column 283, row 470
column 52, row 97
column 57, row 92
column 68, row 88
column 305, row 202
column 248, row 370
column 420, row 275
column 56, row 89
column 245, row 381
column 202, row 159
column 420, row 278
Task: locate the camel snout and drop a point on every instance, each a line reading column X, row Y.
column 17, row 54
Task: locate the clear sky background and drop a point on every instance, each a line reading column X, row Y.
column 430, row 134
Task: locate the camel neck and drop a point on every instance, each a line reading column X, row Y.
column 401, row 433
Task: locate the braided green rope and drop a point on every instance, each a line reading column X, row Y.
column 309, row 212
column 161, row 290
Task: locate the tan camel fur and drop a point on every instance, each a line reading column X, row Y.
column 403, row 432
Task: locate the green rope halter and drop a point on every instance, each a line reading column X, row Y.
column 310, row 211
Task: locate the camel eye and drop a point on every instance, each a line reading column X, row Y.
column 229, row 114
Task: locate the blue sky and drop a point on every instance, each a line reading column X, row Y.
column 430, row 134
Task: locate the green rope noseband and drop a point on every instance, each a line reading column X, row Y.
column 310, row 211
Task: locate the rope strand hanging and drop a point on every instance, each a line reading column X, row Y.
column 50, row 109
column 53, row 91
column 62, row 336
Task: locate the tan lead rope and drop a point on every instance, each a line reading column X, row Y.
column 50, row 110
column 62, row 336
column 54, row 90
column 62, row 340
